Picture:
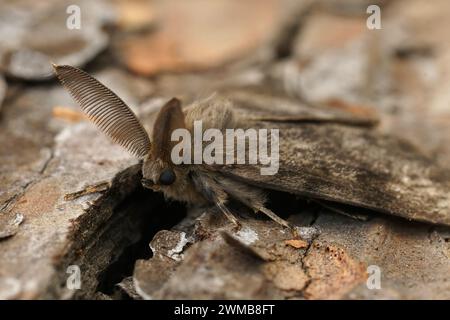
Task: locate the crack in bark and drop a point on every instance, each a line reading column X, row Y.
column 305, row 255
column 11, row 201
column 47, row 161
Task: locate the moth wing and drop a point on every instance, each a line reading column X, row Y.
column 105, row 109
column 354, row 166
column 256, row 105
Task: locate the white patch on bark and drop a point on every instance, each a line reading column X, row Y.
column 139, row 291
column 247, row 235
column 176, row 252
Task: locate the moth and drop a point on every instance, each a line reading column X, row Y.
column 333, row 162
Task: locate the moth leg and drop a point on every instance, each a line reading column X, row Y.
column 254, row 199
column 230, row 216
column 214, row 193
column 348, row 211
column 273, row 216
column 277, row 219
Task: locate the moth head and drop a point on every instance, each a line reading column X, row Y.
column 158, row 170
column 114, row 118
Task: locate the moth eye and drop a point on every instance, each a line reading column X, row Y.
column 167, row 177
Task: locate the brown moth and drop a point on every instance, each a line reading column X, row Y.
column 336, row 163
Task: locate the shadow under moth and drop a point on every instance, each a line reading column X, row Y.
column 327, row 156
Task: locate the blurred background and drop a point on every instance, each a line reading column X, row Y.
column 314, row 50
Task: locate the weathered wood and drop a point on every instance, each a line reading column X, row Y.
column 129, row 242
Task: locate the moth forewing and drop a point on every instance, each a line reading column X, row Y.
column 257, row 104
column 354, row 166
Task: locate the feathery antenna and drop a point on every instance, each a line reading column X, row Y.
column 105, row 109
